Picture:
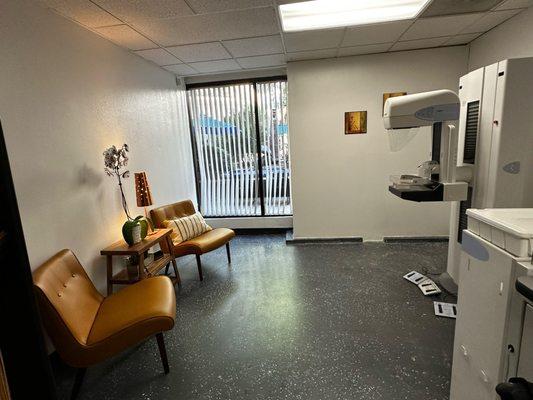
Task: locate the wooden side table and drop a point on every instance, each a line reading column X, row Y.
column 121, row 248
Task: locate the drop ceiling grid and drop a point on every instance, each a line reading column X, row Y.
column 129, row 15
column 204, row 63
column 345, row 30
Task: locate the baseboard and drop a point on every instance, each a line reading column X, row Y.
column 289, row 239
column 415, row 239
column 259, row 231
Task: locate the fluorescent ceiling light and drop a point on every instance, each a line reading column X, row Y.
column 322, row 14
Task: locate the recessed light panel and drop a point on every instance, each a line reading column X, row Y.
column 323, row 14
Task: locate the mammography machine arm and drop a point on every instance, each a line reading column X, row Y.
column 440, row 110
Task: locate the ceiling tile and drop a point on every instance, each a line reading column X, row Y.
column 134, row 10
column 510, row 4
column 159, row 56
column 370, row 34
column 490, row 20
column 200, row 52
column 419, row 44
column 439, row 26
column 312, row 55
column 123, row 35
column 367, row 49
column 254, row 46
column 210, row 6
column 82, row 11
column 211, row 27
column 181, row 69
column 272, row 60
column 462, row 39
column 313, row 40
column 449, row 7
column 216, row 66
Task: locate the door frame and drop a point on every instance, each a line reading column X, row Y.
column 26, row 362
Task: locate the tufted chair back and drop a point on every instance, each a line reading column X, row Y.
column 68, row 301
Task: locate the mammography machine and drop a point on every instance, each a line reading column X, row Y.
column 487, row 155
column 489, row 344
column 491, row 153
column 436, row 179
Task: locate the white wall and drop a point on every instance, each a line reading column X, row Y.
column 512, row 39
column 340, row 182
column 65, row 95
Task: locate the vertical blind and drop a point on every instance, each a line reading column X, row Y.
column 273, row 124
column 241, row 148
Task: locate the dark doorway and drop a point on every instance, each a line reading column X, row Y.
column 26, row 363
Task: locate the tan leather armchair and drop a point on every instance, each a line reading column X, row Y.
column 199, row 245
column 87, row 328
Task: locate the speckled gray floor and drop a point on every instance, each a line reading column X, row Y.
column 307, row 322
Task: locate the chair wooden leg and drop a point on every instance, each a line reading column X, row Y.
column 167, row 268
column 199, row 263
column 80, row 374
column 228, row 252
column 162, row 352
column 176, row 273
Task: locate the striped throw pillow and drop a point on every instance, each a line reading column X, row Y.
column 187, row 227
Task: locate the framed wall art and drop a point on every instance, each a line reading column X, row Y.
column 354, row 122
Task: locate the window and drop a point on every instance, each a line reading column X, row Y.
column 241, row 148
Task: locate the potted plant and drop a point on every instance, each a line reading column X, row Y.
column 134, row 230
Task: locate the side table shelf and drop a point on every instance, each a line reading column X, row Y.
column 124, row 278
column 121, row 248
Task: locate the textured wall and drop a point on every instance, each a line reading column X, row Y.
column 340, row 181
column 65, row 95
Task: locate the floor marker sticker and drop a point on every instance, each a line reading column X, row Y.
column 447, row 310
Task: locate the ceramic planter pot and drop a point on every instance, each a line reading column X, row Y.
column 135, row 230
column 144, row 228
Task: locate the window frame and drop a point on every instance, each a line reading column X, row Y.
column 194, row 145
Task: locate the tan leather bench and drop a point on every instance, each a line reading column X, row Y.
column 202, row 244
column 87, row 328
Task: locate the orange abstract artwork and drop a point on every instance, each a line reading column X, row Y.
column 354, row 122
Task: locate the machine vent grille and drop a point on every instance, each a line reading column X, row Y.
column 463, row 219
column 472, row 123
